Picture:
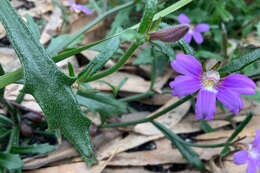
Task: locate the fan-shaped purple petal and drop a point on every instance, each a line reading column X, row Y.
column 188, row 37
column 203, row 27
column 241, row 157
column 229, row 99
column 239, row 83
column 257, row 140
column 187, row 65
column 197, row 37
column 182, row 18
column 252, row 166
column 205, row 105
column 184, row 85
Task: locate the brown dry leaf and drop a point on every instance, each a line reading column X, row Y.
column 169, row 119
column 94, row 34
column 54, row 22
column 79, row 167
column 163, row 154
column 2, row 31
column 8, row 59
column 126, row 170
column 134, row 84
column 161, row 80
column 12, row 91
column 41, row 7
column 158, row 99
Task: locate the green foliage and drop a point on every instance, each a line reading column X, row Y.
column 241, row 62
column 149, row 11
column 49, row 85
column 33, row 149
column 4, row 121
column 105, row 104
column 208, row 54
column 188, row 153
column 107, row 48
column 33, row 26
column 10, row 161
column 144, row 57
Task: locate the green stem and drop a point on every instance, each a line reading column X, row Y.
column 153, row 73
column 137, row 96
column 12, row 139
column 2, row 136
column 121, row 62
column 149, row 119
column 97, row 20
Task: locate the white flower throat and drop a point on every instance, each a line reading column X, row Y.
column 210, row 79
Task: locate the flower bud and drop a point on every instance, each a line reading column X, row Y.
column 170, row 34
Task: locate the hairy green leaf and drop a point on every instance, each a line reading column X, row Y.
column 33, row 26
column 47, row 83
column 109, row 47
column 241, row 62
column 33, row 149
column 149, row 11
column 186, row 47
column 145, row 57
column 10, row 161
column 188, row 153
column 208, row 54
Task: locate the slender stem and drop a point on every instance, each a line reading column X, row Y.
column 12, row 139
column 121, row 62
column 149, row 119
column 97, row 20
column 137, row 96
column 153, row 73
column 2, row 136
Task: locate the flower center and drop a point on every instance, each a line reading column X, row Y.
column 252, row 152
column 192, row 27
column 210, row 79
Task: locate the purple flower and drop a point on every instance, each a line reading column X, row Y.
column 78, row 7
column 210, row 86
column 250, row 156
column 194, row 32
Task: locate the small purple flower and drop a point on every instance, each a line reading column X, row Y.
column 250, row 156
column 210, row 86
column 78, row 7
column 194, row 32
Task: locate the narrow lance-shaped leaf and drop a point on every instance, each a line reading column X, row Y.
column 10, row 161
column 33, row 149
column 109, row 47
column 188, row 153
column 47, row 83
column 241, row 62
column 149, row 11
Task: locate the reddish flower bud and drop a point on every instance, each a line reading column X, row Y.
column 26, row 130
column 33, row 117
column 170, row 34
